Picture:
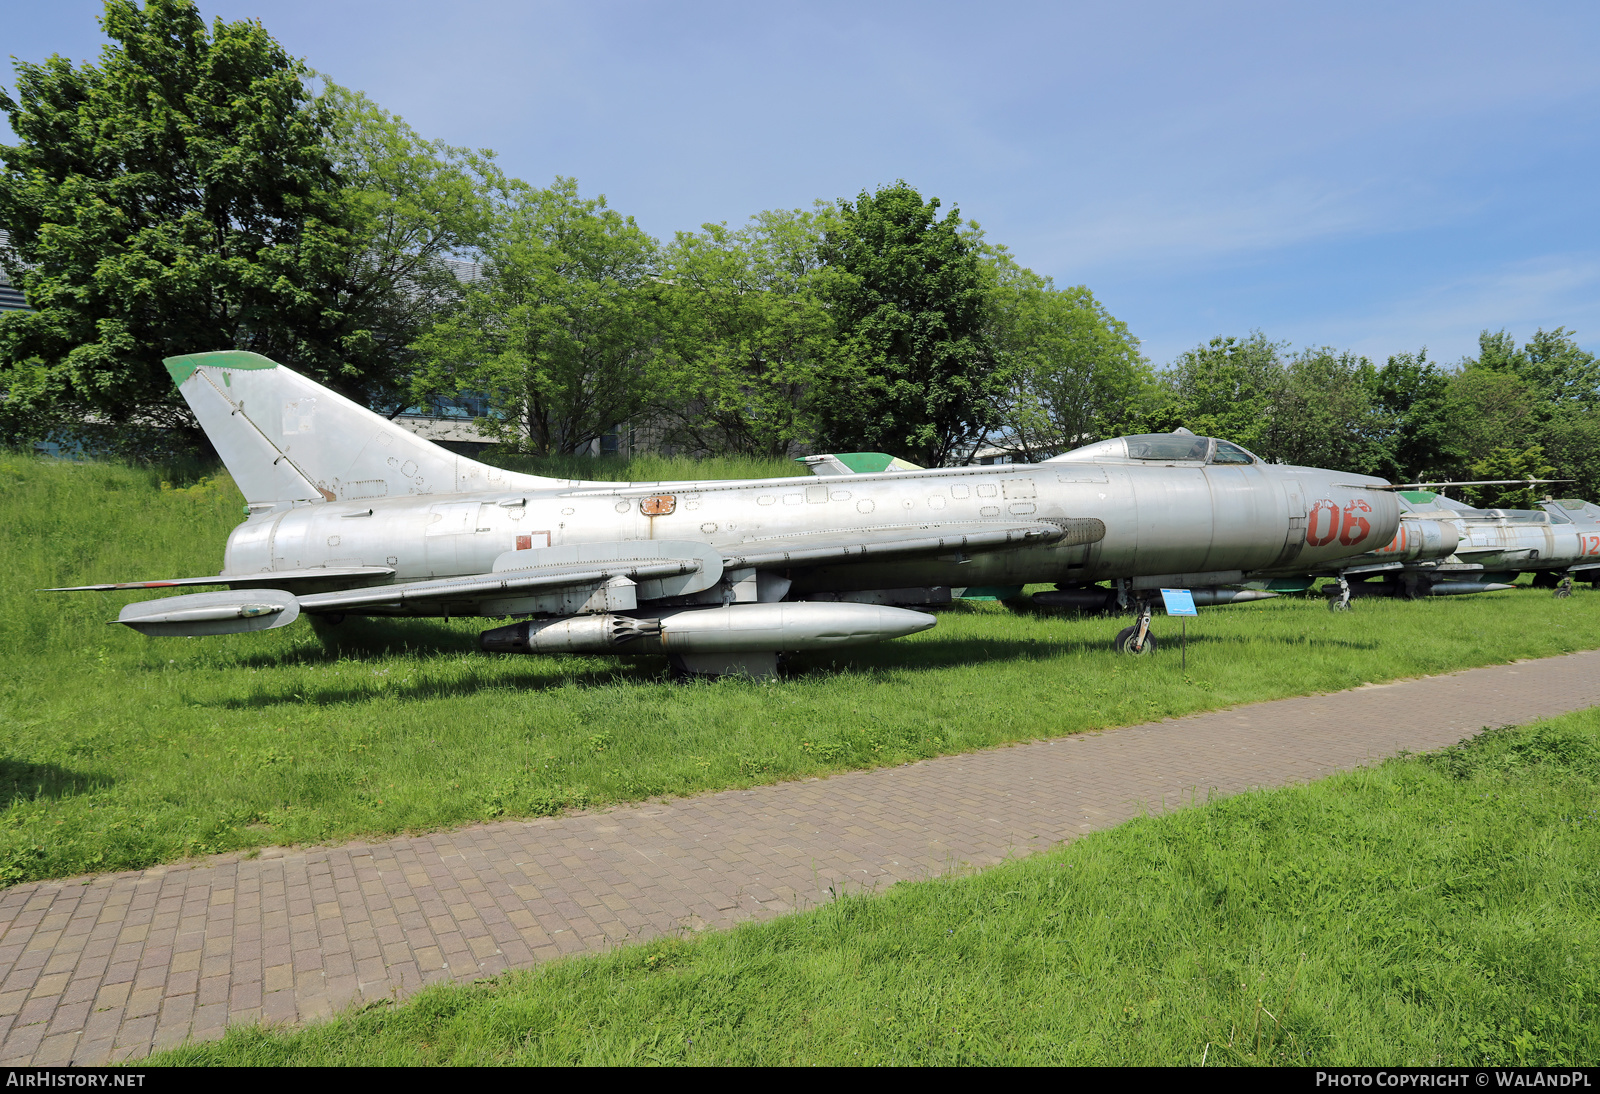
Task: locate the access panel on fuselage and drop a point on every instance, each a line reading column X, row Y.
column 1248, row 519
column 1174, row 518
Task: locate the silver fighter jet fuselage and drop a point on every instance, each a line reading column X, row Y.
column 351, row 514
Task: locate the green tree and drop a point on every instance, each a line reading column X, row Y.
column 1225, row 388
column 1426, row 441
column 413, row 207
column 1545, row 395
column 1572, row 443
column 1563, row 375
column 560, row 333
column 1319, row 407
column 1510, row 463
column 1323, row 413
column 174, row 197
column 913, row 372
column 1076, row 374
column 749, row 330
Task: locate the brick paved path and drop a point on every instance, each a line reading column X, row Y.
column 110, row 967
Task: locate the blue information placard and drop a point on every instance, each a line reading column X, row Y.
column 1178, row 601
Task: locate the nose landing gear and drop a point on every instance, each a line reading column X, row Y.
column 1137, row 639
column 1341, row 603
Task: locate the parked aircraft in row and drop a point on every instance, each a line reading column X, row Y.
column 1447, row 548
column 350, row 514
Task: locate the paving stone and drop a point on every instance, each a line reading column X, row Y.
column 296, row 934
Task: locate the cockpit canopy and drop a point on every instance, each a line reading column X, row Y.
column 1181, row 447
column 1575, row 510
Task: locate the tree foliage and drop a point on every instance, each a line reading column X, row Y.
column 748, row 331
column 913, row 372
column 1425, row 440
column 1325, row 413
column 187, row 192
column 559, row 334
column 1531, row 411
column 415, row 209
column 177, row 196
column 1513, row 411
column 1225, row 388
column 1073, row 372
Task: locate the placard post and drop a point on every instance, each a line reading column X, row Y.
column 1180, row 602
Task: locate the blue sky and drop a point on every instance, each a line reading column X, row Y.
column 1377, row 177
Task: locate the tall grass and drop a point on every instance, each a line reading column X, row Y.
column 1441, row 910
column 119, row 751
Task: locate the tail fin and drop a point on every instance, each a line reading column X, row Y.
column 286, row 438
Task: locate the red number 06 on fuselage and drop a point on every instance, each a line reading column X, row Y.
column 1326, row 522
column 1356, row 527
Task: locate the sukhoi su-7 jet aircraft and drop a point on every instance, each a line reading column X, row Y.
column 350, row 514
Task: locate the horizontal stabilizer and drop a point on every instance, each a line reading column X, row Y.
column 196, row 614
column 1436, row 485
column 855, row 463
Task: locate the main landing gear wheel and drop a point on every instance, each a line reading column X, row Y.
column 1123, row 642
column 1564, row 589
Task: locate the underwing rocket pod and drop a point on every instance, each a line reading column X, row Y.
column 1093, row 599
column 352, row 514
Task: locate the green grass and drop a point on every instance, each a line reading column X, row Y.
column 119, row 751
column 1430, row 910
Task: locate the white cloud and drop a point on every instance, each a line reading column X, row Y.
column 1188, row 226
column 1549, row 291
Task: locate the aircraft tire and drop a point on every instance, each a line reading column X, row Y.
column 1123, row 642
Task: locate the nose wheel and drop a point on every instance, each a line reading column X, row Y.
column 1137, row 639
column 1564, row 589
column 1341, row 603
column 1126, row 641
